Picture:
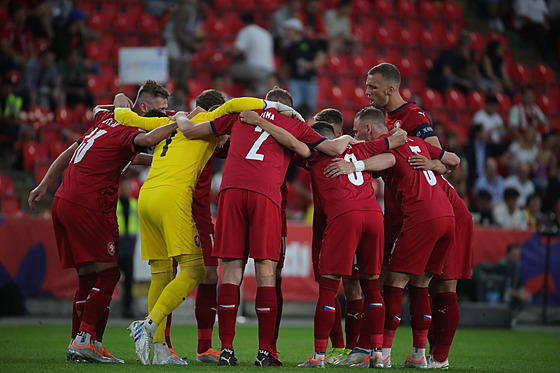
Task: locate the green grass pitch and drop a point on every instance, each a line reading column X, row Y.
column 42, row 348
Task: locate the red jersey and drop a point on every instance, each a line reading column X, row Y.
column 201, row 195
column 412, row 119
column 94, row 172
column 462, row 213
column 255, row 160
column 417, row 191
column 353, row 192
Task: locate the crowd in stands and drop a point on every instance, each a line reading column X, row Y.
column 59, row 58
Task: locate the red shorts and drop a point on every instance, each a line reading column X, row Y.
column 392, row 227
column 84, row 235
column 422, row 247
column 248, row 224
column 458, row 264
column 354, row 233
column 205, row 227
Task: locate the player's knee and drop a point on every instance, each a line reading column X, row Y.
column 193, row 266
column 161, row 266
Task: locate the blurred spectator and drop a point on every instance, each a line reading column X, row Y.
column 60, row 10
column 521, row 182
column 73, row 34
column 491, row 120
column 314, row 22
column 507, row 213
column 339, row 29
column 253, row 54
column 531, row 22
column 527, row 114
column 183, row 36
column 493, row 67
column 74, row 79
column 482, row 209
column 524, row 149
column 10, row 107
column 552, row 192
column 476, row 152
column 179, row 99
column 303, row 57
column 160, row 8
column 491, row 181
column 289, row 10
column 533, row 209
column 547, row 159
column 16, row 40
column 300, row 196
column 510, row 267
column 39, row 17
column 497, row 11
column 40, row 82
column 457, row 68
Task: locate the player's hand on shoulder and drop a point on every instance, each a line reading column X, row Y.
column 419, row 162
column 339, row 167
column 250, row 117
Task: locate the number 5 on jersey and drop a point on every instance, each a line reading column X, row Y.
column 427, row 173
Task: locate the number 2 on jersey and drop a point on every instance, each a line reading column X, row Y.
column 427, row 173
column 86, row 144
column 257, row 144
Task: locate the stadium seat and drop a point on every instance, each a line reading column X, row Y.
column 521, row 74
column 478, row 43
column 544, row 74
column 451, row 11
column 98, row 21
column 97, row 52
column 504, row 104
column 49, row 134
column 337, row 64
column 358, row 64
column 382, row 8
column 428, row 10
column 406, row 67
column 11, row 204
column 337, row 97
column 547, row 105
column 33, row 152
column 124, row 24
column 65, row 117
column 360, row 6
column 6, row 185
column 491, row 36
column 98, row 84
column 406, row 9
column 406, row 94
column 432, row 99
column 407, row 38
column 476, row 100
column 360, row 98
column 455, row 100
column 40, row 170
column 134, row 10
column 56, row 148
column 149, row 25
column 347, row 84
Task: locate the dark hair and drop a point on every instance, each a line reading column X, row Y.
column 153, row 89
column 492, row 48
column 324, row 129
column 156, row 113
column 330, row 115
column 343, row 3
column 476, row 128
column 491, row 99
column 371, row 115
column 512, row 246
column 209, row 98
column 483, row 194
column 389, row 73
column 511, row 193
column 247, row 18
column 280, row 95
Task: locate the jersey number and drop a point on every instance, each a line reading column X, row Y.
column 355, row 178
column 167, row 142
column 427, row 173
column 253, row 152
column 86, row 144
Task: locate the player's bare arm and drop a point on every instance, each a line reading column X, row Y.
column 121, row 100
column 433, row 140
column 397, row 138
column 419, row 162
column 143, row 159
column 55, row 170
column 337, row 146
column 191, row 130
column 283, row 137
column 155, row 136
column 376, row 163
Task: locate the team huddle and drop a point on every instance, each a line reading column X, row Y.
column 422, row 241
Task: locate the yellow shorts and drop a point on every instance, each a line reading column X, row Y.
column 167, row 228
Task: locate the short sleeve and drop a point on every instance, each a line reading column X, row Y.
column 371, row 148
column 223, row 124
column 435, row 152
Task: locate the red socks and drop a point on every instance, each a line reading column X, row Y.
column 205, row 313
column 420, row 315
column 374, row 313
column 279, row 308
column 325, row 312
column 446, row 320
column 85, row 283
column 99, row 300
column 393, row 305
column 265, row 306
column 228, row 303
column 353, row 321
column 337, row 338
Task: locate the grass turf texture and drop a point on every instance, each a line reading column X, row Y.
column 42, row 348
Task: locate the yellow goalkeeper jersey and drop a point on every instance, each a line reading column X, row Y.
column 178, row 161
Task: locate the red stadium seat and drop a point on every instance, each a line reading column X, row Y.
column 359, row 66
column 32, row 153
column 451, row 11
column 98, row 84
column 11, row 204
column 478, row 43
column 360, row 6
column 6, row 185
column 40, row 170
column 149, row 25
column 476, row 100
column 407, row 38
column 49, row 134
column 360, row 98
column 407, row 67
column 544, row 74
column 491, row 36
column 432, row 99
column 428, row 10
column 124, row 23
column 455, row 100
column 382, row 8
column 337, row 64
column 504, row 103
column 269, row 4
column 406, row 94
column 98, row 21
column 98, row 51
column 406, row 9
column 56, row 148
column 547, row 105
column 522, row 74
column 65, row 117
column 134, row 10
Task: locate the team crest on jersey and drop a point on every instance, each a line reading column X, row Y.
column 398, row 123
column 197, row 240
column 111, row 248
